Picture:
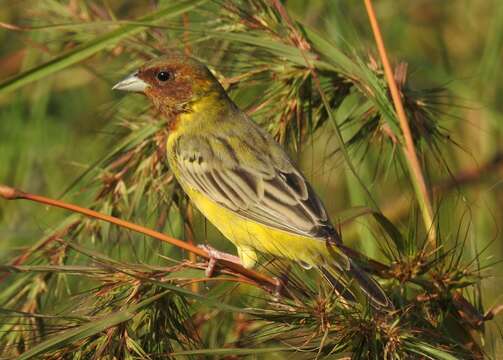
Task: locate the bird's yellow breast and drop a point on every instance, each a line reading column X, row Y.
column 249, row 236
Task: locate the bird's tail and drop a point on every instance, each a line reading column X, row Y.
column 370, row 287
column 374, row 292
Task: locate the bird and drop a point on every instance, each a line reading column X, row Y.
column 239, row 177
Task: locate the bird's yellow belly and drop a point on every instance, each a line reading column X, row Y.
column 249, row 236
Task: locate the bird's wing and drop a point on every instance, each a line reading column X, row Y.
column 253, row 177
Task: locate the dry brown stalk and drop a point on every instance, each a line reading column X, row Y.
column 10, row 193
column 410, row 151
column 28, row 252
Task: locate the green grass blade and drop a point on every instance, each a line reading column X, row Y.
column 90, row 48
column 429, row 351
column 231, row 351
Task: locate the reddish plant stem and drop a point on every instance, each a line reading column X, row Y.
column 418, row 181
column 10, row 193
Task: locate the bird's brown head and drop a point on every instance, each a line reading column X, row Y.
column 172, row 82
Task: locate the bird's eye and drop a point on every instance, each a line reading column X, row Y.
column 163, row 76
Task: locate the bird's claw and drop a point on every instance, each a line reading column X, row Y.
column 214, row 256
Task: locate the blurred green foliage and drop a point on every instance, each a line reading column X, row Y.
column 60, row 136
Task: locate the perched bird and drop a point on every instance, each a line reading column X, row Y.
column 238, row 176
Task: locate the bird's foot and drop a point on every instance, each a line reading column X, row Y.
column 216, row 255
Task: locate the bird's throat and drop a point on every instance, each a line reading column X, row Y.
column 201, row 112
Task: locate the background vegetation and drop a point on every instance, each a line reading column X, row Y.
column 71, row 287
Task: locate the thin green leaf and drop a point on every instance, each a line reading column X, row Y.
column 236, row 351
column 90, row 48
column 425, row 349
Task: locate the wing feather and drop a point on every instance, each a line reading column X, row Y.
column 258, row 186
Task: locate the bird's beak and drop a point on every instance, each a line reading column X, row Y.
column 131, row 83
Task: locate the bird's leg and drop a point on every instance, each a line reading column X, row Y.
column 281, row 283
column 216, row 255
column 281, row 279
